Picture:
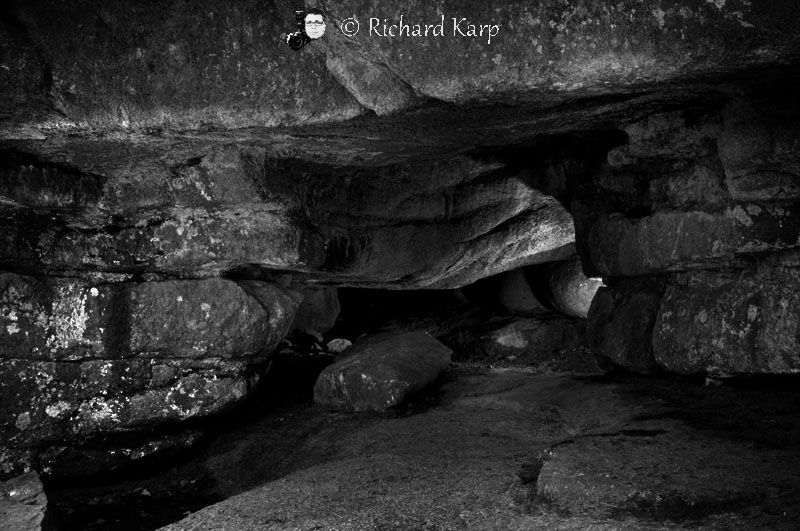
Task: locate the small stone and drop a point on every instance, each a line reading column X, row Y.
column 339, row 345
column 23, row 420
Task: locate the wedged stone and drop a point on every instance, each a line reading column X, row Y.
column 764, row 185
column 673, row 241
column 381, row 371
column 619, row 328
column 373, row 84
column 318, row 311
column 23, row 503
column 516, row 295
column 572, row 291
column 702, row 183
column 730, row 323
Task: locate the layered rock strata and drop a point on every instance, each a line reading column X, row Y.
column 80, row 358
column 695, row 223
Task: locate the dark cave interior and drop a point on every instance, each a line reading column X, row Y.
column 543, row 281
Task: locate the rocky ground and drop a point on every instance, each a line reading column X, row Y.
column 486, row 448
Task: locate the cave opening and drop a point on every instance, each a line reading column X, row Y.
column 546, row 280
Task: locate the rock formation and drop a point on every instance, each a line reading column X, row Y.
column 173, row 178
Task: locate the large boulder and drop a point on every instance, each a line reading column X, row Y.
column 730, row 323
column 381, row 371
column 318, row 311
column 62, row 319
column 81, row 358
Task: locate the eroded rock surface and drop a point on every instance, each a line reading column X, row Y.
column 23, row 504
column 169, row 66
column 381, row 371
column 81, row 358
column 736, row 324
column 705, row 206
column 507, row 450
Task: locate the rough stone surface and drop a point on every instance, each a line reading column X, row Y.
column 523, row 341
column 501, row 449
column 516, row 295
column 318, row 311
column 730, row 323
column 572, row 291
column 73, row 319
column 166, row 65
column 23, row 503
column 374, row 85
column 78, row 359
column 684, row 479
column 98, row 457
column 620, row 325
column 670, row 241
column 381, row 371
column 212, row 70
column 440, row 223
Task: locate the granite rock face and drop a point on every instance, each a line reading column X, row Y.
column 413, row 224
column 675, row 241
column 147, row 151
column 80, row 359
column 739, row 323
column 381, row 371
column 75, row 320
column 172, row 66
column 703, row 204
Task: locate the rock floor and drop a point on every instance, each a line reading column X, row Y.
column 488, row 448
